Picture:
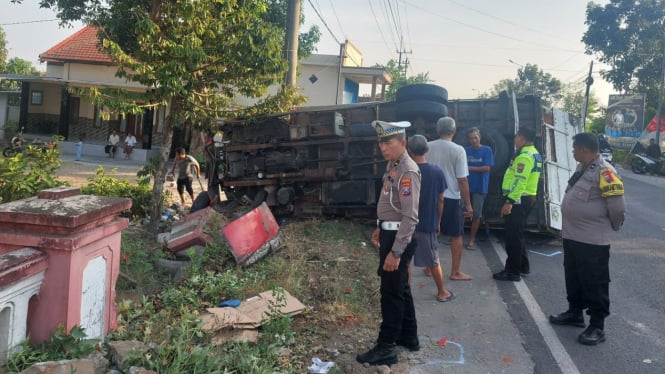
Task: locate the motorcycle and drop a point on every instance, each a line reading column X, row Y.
column 642, row 164
column 606, row 154
column 17, row 145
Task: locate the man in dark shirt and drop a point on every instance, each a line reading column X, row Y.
column 653, row 150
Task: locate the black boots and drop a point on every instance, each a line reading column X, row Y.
column 381, row 354
column 569, row 317
column 412, row 344
column 591, row 336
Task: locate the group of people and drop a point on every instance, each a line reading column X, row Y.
column 429, row 187
column 114, row 142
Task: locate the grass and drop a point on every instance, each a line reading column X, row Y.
column 325, row 264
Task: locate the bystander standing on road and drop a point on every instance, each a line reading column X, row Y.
column 480, row 159
column 184, row 164
column 592, row 208
column 430, row 209
column 520, row 187
column 397, row 212
column 451, row 158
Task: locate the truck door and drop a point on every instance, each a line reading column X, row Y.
column 558, row 163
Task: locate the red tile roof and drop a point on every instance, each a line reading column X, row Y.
column 83, row 46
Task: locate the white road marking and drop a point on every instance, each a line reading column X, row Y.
column 546, row 254
column 560, row 354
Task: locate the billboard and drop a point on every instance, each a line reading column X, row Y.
column 625, row 119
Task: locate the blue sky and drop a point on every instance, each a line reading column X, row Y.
column 465, row 45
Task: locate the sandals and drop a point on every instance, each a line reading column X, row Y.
column 449, row 298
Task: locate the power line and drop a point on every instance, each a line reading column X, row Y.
column 387, row 17
column 378, row 27
column 398, row 26
column 26, row 22
column 324, row 22
column 337, row 18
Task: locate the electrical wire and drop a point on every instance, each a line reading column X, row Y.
column 378, row 27
column 27, row 22
column 337, row 18
column 324, row 22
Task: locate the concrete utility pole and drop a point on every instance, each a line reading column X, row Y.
column 660, row 99
column 292, row 33
column 585, row 105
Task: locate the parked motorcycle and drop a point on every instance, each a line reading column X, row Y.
column 642, row 164
column 606, row 154
column 18, row 145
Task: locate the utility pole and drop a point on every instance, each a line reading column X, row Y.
column 588, row 81
column 399, row 61
column 291, row 43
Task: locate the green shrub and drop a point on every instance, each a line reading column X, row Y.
column 140, row 193
column 60, row 346
column 29, row 172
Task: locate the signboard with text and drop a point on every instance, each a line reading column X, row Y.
column 625, row 119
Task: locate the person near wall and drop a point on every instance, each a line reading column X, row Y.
column 397, row 212
column 130, row 143
column 480, row 159
column 520, row 187
column 112, row 146
column 592, row 208
column 451, row 158
column 430, row 209
column 79, row 148
column 184, row 163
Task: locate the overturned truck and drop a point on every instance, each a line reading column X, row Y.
column 325, row 160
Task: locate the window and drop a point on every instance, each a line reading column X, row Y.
column 36, row 97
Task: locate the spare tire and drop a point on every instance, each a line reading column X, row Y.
column 493, row 139
column 428, row 110
column 422, row 91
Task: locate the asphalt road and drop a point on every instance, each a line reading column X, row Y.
column 636, row 329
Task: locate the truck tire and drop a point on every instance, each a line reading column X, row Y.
column 495, row 140
column 422, row 91
column 428, row 110
column 202, row 201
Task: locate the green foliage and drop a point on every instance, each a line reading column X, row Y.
column 531, row 80
column 401, row 79
column 103, row 185
column 60, row 346
column 29, row 172
column 596, row 125
column 628, row 36
column 573, row 100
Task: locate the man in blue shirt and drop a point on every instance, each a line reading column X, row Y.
column 430, row 209
column 480, row 159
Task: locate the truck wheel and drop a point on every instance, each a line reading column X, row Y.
column 422, row 91
column 426, row 109
column 202, row 201
column 493, row 139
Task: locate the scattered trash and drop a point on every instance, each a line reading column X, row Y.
column 442, row 342
column 320, row 367
column 507, row 360
column 363, row 244
column 233, row 303
column 483, row 293
column 252, row 312
column 647, row 360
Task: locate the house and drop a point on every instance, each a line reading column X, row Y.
column 9, row 111
column 47, row 107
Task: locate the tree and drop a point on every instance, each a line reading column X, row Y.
column 531, row 80
column 17, row 66
column 628, row 36
column 195, row 56
column 573, row 100
column 3, row 50
column 401, row 79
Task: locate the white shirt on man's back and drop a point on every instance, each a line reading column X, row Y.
column 451, row 158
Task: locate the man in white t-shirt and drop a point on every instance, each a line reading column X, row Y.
column 130, row 143
column 114, row 139
column 451, row 158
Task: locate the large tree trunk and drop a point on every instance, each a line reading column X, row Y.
column 162, row 168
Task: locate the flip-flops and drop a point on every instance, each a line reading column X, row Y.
column 471, row 246
column 449, row 298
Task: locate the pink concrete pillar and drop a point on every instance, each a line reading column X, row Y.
column 80, row 234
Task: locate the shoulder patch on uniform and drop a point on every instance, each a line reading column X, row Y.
column 610, row 184
column 405, row 186
column 520, row 167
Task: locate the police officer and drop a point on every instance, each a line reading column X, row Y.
column 397, row 212
column 520, row 186
column 592, row 208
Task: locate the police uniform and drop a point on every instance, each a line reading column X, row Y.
column 520, row 186
column 592, row 208
column 397, row 212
